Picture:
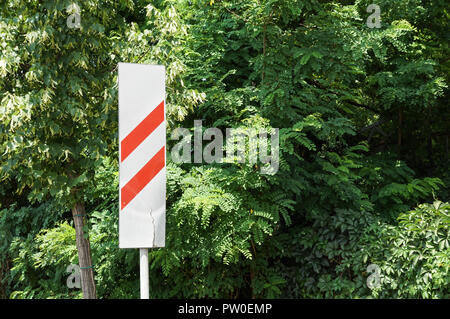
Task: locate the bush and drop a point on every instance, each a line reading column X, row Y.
column 414, row 257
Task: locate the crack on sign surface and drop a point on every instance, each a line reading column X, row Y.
column 154, row 228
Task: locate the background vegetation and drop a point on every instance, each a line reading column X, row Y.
column 364, row 127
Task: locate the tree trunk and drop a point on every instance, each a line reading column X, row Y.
column 84, row 253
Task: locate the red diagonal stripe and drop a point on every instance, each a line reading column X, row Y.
column 140, row 133
column 142, row 178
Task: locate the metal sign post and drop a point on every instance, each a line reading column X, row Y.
column 142, row 158
column 143, row 257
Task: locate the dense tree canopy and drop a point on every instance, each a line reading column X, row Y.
column 364, row 126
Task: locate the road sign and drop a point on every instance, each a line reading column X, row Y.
column 142, row 156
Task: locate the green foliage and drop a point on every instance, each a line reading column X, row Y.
column 415, row 256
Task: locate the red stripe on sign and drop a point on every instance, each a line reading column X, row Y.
column 142, row 178
column 140, row 133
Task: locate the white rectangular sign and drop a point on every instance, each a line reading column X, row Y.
column 142, row 156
